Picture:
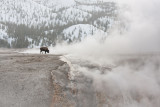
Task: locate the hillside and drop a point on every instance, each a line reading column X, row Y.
column 34, row 23
column 80, row 31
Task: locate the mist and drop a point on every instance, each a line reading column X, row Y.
column 141, row 35
column 133, row 57
column 144, row 25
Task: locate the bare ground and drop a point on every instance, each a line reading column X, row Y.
column 42, row 80
column 25, row 79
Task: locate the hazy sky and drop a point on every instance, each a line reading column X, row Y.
column 143, row 18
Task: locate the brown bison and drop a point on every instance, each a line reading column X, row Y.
column 44, row 49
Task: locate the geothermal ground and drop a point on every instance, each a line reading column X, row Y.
column 25, row 79
column 41, row 80
column 48, row 80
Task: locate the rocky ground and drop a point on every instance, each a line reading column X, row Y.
column 48, row 80
column 25, row 79
column 41, row 80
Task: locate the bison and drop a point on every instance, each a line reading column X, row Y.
column 44, row 49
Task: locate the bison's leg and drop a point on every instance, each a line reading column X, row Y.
column 42, row 52
column 45, row 52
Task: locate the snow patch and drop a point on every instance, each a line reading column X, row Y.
column 81, row 31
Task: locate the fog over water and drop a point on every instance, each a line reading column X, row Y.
column 127, row 66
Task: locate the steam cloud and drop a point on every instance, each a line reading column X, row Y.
column 134, row 82
column 142, row 35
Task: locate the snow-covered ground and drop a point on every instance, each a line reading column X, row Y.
column 4, row 35
column 25, row 12
column 72, row 14
column 90, row 8
column 56, row 4
column 81, row 31
column 51, row 19
column 94, row 1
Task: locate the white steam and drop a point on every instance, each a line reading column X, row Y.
column 133, row 57
column 143, row 18
column 143, row 35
